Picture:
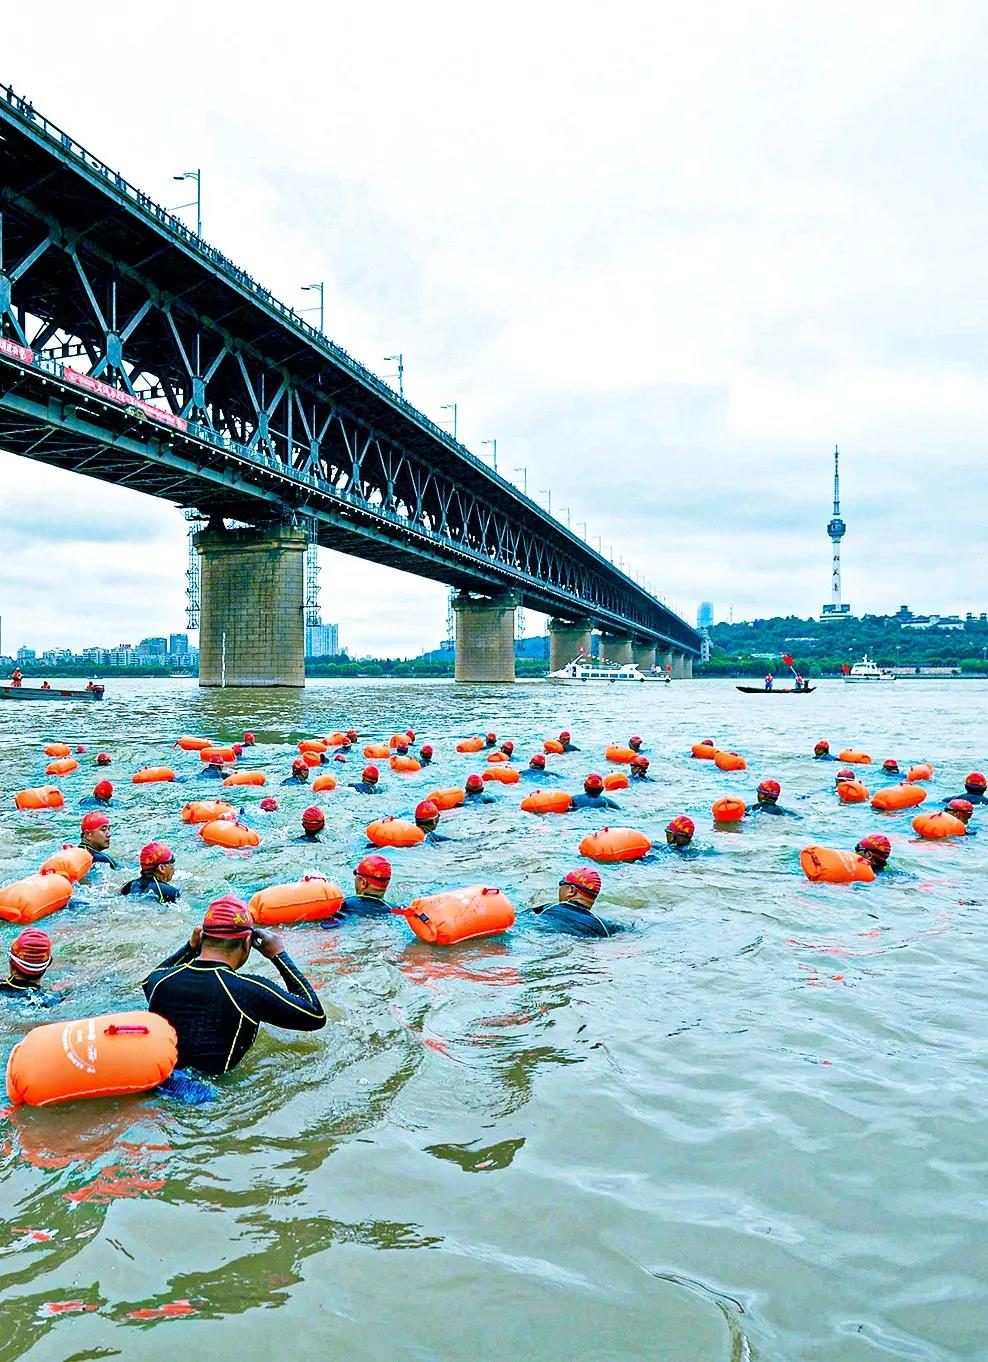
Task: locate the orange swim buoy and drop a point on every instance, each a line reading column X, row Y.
column 151, row 775
column 193, row 744
column 39, row 797
column 33, row 897
column 247, row 778
column 447, row 799
column 493, row 758
column 405, row 764
column 223, row 754
column 470, row 745
column 924, row 771
column 325, row 782
column 459, row 915
column 223, row 832
column 396, row 740
column 934, row 826
column 336, row 739
column 377, row 751
column 64, row 766
column 728, row 810
column 553, row 745
column 305, row 901
column 58, row 749
column 616, row 780
column 206, row 810
column 704, row 751
column 617, row 752
column 854, row 758
column 547, row 801
column 504, row 775
column 615, row 844
column 897, row 797
column 104, row 1056
column 317, row 745
column 852, row 792
column 394, row 832
column 730, row 761
column 74, row 863
column 311, row 758
column 822, row 864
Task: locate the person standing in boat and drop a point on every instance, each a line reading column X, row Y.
column 16, row 678
column 769, row 679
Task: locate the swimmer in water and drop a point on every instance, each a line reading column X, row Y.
column 974, row 789
column 876, row 850
column 767, row 796
column 30, row 956
column 95, row 838
column 638, row 770
column 300, row 773
column 215, row 769
column 216, row 1011
column 964, row 810
column 593, row 796
column 574, row 912
column 635, row 743
column 102, row 759
column 707, row 742
column 490, row 740
column 475, row 791
column 844, row 774
column 157, row 869
column 535, row 772
column 679, row 832
column 368, row 783
column 427, row 818
column 821, row 751
column 564, row 739
column 425, row 755
column 508, row 748
column 313, row 823
column 100, row 797
column 249, row 739
column 370, row 884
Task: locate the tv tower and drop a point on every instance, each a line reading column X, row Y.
column 836, row 530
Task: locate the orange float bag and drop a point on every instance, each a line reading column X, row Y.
column 470, row 745
column 36, row 896
column 447, row 799
column 504, row 775
column 247, row 778
column 493, row 758
column 223, row 833
column 152, row 775
column 703, row 751
column 730, row 761
column 615, row 844
column 317, row 745
column 924, row 771
column 618, row 753
column 394, row 832
column 728, row 810
column 405, row 764
column 823, row 865
column 224, row 754
column 377, row 751
column 58, row 749
column 193, row 744
column 547, row 801
column 616, row 780
column 105, row 1056
column 64, row 766
column 897, row 797
column 459, row 915
column 306, row 901
column 74, row 863
column 336, row 739
column 326, row 782
column 39, row 797
column 854, row 758
column 206, row 810
column 852, row 792
column 934, row 826
column 553, row 745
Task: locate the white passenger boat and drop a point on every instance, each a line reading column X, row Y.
column 867, row 670
column 586, row 669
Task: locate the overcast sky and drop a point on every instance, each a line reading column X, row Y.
column 667, row 255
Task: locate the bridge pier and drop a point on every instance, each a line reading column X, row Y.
column 567, row 640
column 643, row 656
column 485, row 637
column 252, row 631
column 615, row 648
column 687, row 666
column 678, row 666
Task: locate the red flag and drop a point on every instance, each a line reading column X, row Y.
column 787, row 659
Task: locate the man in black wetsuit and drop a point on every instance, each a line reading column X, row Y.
column 157, row 869
column 100, row 797
column 30, row 956
column 490, row 740
column 508, row 748
column 573, row 914
column 368, row 782
column 427, row 818
column 890, row 767
column 635, row 743
column 593, row 796
column 425, row 754
column 535, row 773
column 768, row 801
column 474, row 791
column 974, row 789
column 95, row 838
column 370, row 884
column 964, row 810
column 313, row 823
column 299, row 775
column 876, row 850
column 217, row 1012
column 679, row 831
column 638, row 770
column 564, row 738
column 215, row 769
column 821, row 751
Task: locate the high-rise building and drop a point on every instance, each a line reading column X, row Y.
column 153, row 647
column 322, row 640
column 178, row 645
column 26, row 655
column 705, row 615
column 836, row 610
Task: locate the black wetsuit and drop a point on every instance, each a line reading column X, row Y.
column 367, row 787
column 358, row 905
column 971, row 798
column 294, row 780
column 217, row 1012
column 824, row 756
column 479, row 797
column 100, row 857
column 633, row 775
column 574, row 921
column 309, row 837
column 589, row 801
column 147, row 884
column 770, row 808
column 215, row 773
column 538, row 776
column 569, row 747
column 91, row 802
column 438, row 837
column 21, row 987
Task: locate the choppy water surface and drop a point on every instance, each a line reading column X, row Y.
column 753, row 1126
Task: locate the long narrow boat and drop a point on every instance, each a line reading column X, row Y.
column 776, row 690
column 95, row 692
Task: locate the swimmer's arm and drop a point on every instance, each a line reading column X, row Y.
column 298, row 1009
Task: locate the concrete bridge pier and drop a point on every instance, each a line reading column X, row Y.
column 643, row 655
column 485, row 637
column 687, row 666
column 252, row 631
column 664, row 660
column 615, row 648
column 678, row 666
column 567, row 640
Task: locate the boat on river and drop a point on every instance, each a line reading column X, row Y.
column 585, row 669
column 806, row 689
column 868, row 671
column 92, row 692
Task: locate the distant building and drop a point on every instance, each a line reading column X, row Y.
column 26, row 655
column 705, row 615
column 322, row 640
column 178, row 645
column 153, row 647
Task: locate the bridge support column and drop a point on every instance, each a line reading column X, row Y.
column 485, row 637
column 664, row 660
column 643, row 655
column 567, row 640
column 252, row 631
column 678, row 666
column 688, row 667
column 615, row 648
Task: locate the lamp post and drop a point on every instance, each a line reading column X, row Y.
column 493, row 445
column 581, row 525
column 399, row 359
column 566, row 509
column 523, row 470
column 451, row 406
column 197, row 176
column 547, row 493
column 321, row 290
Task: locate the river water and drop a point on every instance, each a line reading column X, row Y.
column 752, row 1126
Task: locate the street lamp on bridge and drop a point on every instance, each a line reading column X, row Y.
column 451, row 406
column 197, row 201
column 547, row 493
column 398, row 359
column 321, row 290
column 493, row 445
column 523, row 470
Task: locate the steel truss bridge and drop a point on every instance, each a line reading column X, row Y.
column 133, row 352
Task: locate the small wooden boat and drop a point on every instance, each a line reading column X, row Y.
column 94, row 692
column 776, row 690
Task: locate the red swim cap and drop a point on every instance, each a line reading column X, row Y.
column 962, row 807
column 584, row 878
column 975, row 781
column 352, row 734
column 298, row 766
column 103, row 759
column 371, row 773
column 538, row 761
column 237, row 748
column 634, row 739
column 641, row 763
column 410, row 734
column 103, row 791
column 770, row 787
column 821, row 746
column 492, row 737
column 376, row 868
column 249, row 739
column 313, row 818
column 228, row 918
column 426, row 811
column 155, row 854
column 682, row 824
column 876, row 842
column 94, row 820
column 565, row 735
column 707, row 742
column 890, row 764
column 30, row 952
column 339, row 756
column 474, row 783
column 269, row 804
column 80, row 749
column 593, row 782
column 426, row 751
column 845, row 773
column 507, row 746
column 216, row 761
